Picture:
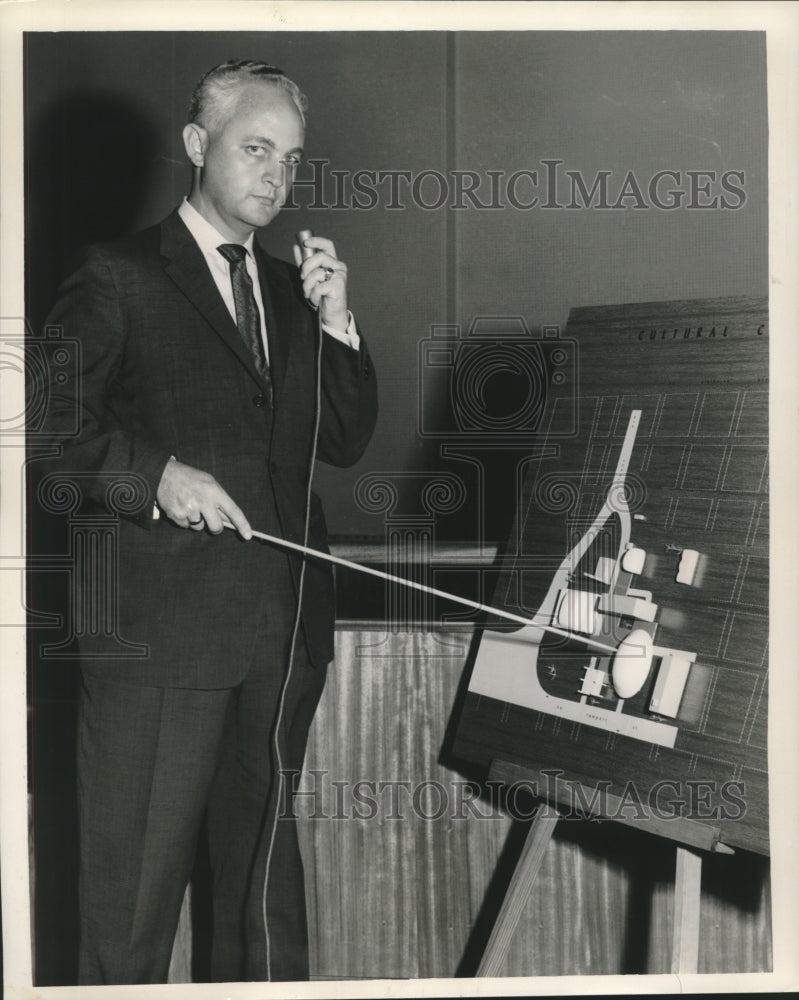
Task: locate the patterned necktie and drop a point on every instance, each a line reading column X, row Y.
column 248, row 319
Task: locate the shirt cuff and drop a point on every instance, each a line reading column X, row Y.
column 348, row 336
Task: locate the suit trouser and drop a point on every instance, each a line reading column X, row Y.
column 151, row 761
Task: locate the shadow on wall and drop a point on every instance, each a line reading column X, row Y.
column 89, row 161
column 89, row 165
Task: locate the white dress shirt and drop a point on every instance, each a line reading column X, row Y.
column 208, row 239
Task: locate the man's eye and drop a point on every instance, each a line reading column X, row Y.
column 255, row 150
column 292, row 161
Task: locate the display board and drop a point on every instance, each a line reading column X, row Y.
column 640, row 554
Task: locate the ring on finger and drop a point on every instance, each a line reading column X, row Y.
column 198, row 521
column 328, row 272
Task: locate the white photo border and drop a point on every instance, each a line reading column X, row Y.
column 780, row 22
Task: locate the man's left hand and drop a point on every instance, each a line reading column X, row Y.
column 324, row 281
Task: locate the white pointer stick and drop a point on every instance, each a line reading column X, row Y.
column 326, row 556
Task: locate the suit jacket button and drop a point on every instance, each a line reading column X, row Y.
column 259, row 399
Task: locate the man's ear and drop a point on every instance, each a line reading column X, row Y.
column 195, row 139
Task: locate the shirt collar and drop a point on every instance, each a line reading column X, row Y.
column 207, row 237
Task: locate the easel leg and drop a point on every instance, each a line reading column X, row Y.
column 521, row 885
column 685, row 935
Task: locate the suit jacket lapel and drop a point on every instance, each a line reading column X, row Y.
column 188, row 269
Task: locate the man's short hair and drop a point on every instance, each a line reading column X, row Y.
column 216, row 93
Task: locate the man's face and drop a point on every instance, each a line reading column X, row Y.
column 249, row 162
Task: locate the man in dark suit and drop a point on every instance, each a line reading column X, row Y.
column 198, row 391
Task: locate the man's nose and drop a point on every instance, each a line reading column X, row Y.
column 274, row 174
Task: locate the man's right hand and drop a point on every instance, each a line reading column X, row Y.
column 194, row 499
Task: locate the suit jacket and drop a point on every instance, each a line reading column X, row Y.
column 164, row 371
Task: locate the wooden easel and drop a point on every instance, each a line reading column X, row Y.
column 692, row 839
column 519, row 890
